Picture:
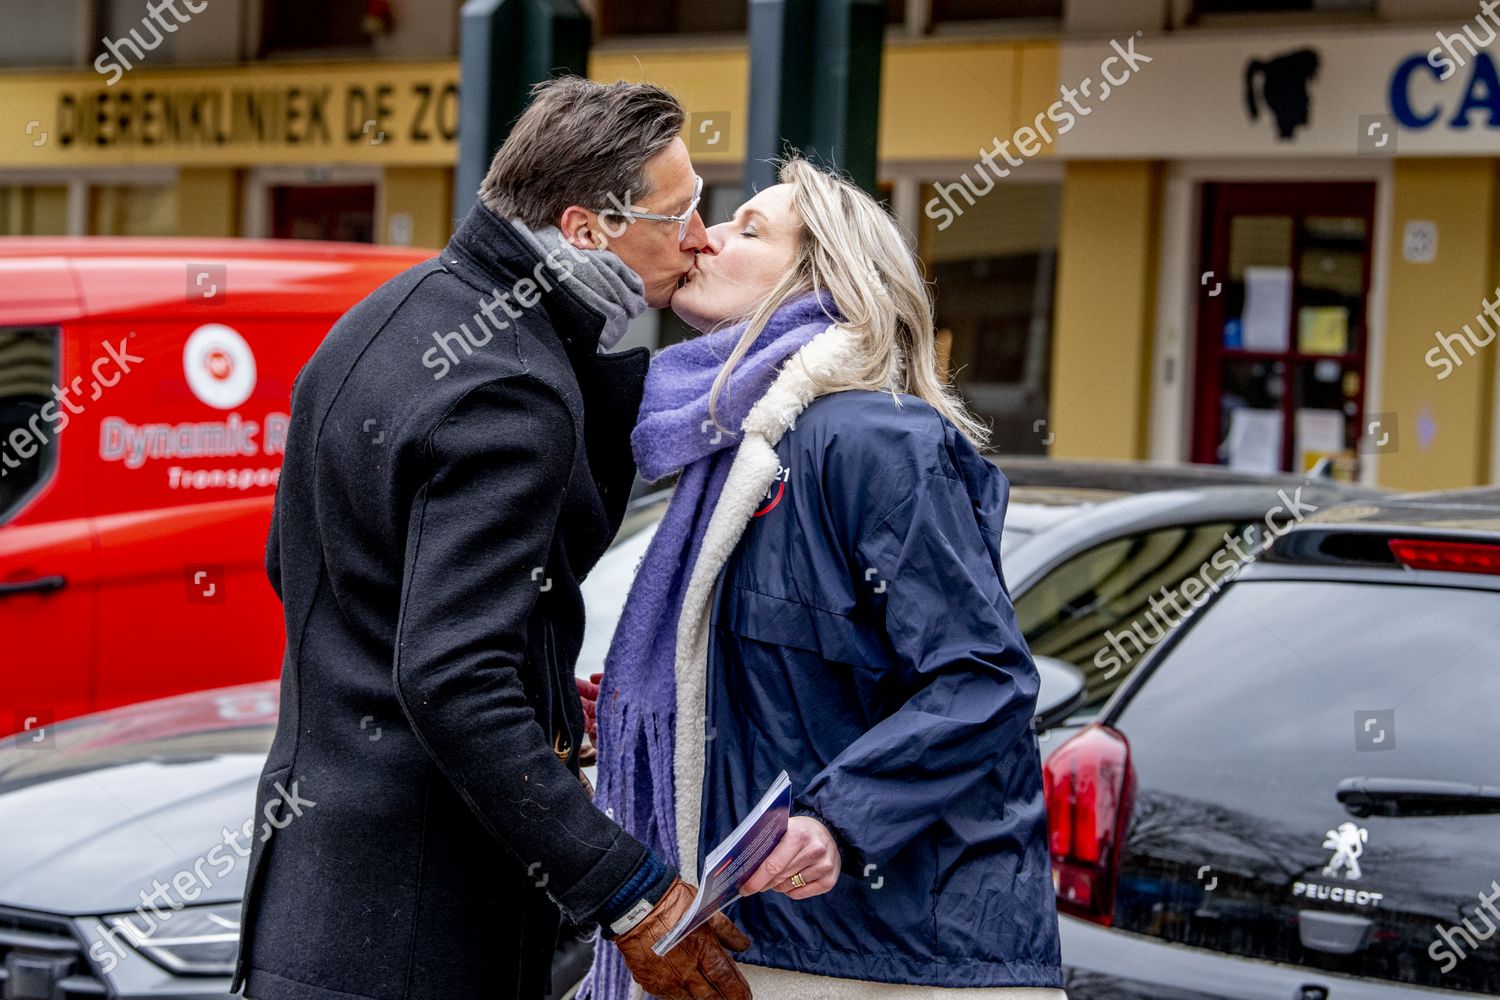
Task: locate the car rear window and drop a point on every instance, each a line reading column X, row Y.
column 1240, row 740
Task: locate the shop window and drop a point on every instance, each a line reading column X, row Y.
column 993, row 270
column 672, row 17
column 1279, row 6
column 132, row 210
column 292, row 26
column 128, row 32
column 29, row 361
column 342, row 213
column 50, row 35
column 33, row 211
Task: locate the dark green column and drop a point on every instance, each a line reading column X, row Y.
column 506, row 46
column 814, row 86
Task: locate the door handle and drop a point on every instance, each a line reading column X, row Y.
column 41, row 585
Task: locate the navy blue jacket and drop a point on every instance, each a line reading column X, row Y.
column 863, row 640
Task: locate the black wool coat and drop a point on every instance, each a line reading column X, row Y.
column 434, row 517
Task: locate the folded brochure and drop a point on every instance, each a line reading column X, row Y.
column 730, row 865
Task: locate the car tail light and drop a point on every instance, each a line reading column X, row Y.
column 1089, row 784
column 1450, row 557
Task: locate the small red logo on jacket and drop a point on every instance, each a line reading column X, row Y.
column 776, row 490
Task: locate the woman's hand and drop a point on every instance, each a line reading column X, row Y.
column 808, row 850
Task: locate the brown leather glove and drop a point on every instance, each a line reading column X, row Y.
column 698, row 968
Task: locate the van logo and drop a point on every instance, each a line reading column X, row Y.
column 1347, row 842
column 219, row 365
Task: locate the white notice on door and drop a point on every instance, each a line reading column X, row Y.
column 1267, row 321
column 1255, row 440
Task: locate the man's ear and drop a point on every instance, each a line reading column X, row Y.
column 581, row 228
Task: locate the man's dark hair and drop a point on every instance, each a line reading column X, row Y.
column 578, row 143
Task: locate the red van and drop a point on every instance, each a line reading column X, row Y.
column 144, row 397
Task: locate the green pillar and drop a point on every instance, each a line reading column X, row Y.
column 815, row 86
column 506, row 46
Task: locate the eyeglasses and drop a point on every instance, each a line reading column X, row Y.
column 681, row 220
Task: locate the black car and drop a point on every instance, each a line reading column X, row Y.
column 1297, row 795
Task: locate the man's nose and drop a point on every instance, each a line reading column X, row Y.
column 696, row 238
column 713, row 239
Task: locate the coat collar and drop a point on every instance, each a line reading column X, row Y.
column 495, row 257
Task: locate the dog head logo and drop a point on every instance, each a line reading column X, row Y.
column 1347, row 842
column 1281, row 85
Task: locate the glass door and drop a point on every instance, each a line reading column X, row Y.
column 1282, row 325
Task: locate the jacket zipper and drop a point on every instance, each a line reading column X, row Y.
column 562, row 736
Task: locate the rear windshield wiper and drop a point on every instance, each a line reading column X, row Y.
column 1416, row 797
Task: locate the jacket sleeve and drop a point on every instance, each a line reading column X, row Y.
column 968, row 678
column 480, row 531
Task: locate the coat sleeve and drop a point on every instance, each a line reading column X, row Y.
column 969, row 681
column 273, row 547
column 480, row 532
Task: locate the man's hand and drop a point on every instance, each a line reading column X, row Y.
column 588, row 693
column 808, row 850
column 698, row 968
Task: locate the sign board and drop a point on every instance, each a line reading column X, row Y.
column 1371, row 92
column 297, row 113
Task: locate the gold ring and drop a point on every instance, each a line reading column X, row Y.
column 797, row 881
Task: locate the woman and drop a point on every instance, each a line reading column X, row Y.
column 824, row 596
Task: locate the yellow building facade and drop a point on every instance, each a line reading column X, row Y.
column 1207, row 254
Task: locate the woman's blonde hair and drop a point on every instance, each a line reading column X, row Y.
column 850, row 249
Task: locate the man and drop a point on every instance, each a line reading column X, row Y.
column 458, row 458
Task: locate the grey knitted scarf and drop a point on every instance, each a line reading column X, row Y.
column 598, row 277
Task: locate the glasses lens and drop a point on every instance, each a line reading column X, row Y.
column 687, row 217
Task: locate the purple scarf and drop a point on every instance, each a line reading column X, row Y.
column 638, row 698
